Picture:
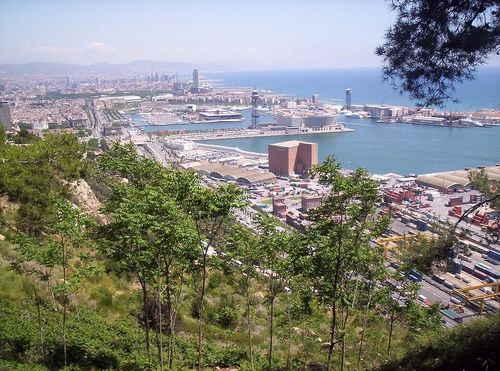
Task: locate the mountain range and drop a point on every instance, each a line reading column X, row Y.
column 136, row 67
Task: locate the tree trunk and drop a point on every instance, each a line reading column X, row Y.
column 271, row 323
column 391, row 328
column 146, row 317
column 159, row 325
column 170, row 316
column 344, row 337
column 65, row 299
column 200, row 307
column 334, row 312
column 332, row 335
column 38, row 302
column 173, row 319
column 365, row 321
column 249, row 323
column 289, row 340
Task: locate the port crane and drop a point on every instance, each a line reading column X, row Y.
column 392, row 244
column 466, row 295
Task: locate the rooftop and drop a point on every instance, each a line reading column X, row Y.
column 290, row 143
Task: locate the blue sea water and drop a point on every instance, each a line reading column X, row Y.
column 397, row 148
column 380, row 148
column 366, row 84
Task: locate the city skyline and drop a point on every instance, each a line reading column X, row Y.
column 242, row 35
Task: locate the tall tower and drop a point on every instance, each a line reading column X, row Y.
column 315, row 99
column 196, row 81
column 5, row 118
column 348, row 93
column 255, row 112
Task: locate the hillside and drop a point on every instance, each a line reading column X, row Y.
column 162, row 276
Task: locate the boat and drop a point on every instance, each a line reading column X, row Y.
column 470, row 122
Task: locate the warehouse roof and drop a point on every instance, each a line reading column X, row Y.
column 238, row 174
column 450, row 179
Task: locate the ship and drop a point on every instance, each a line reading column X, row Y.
column 470, row 122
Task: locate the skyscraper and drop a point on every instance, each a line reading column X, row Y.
column 348, row 98
column 196, row 82
column 5, row 118
column 255, row 111
column 315, row 99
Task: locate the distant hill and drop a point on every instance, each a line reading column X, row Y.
column 136, row 67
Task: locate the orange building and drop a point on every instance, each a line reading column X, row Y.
column 290, row 157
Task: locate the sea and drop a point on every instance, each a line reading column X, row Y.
column 380, row 148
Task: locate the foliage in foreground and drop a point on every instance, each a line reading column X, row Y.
column 435, row 44
column 470, row 347
column 172, row 281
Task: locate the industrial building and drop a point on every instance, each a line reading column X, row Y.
column 5, row 118
column 309, row 201
column 298, row 120
column 234, row 173
column 291, row 157
column 456, row 181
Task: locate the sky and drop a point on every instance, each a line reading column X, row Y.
column 236, row 33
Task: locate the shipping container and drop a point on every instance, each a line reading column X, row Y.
column 486, row 270
column 416, row 273
column 489, row 259
column 494, row 255
column 479, row 275
column 448, row 284
column 421, row 225
column 438, row 279
column 413, row 278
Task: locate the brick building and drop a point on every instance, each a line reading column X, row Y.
column 291, row 157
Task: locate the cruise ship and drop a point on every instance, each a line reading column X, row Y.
column 469, row 122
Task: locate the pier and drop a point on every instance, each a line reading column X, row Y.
column 250, row 133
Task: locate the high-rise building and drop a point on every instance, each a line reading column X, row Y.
column 291, row 157
column 196, row 82
column 5, row 118
column 255, row 109
column 348, row 93
column 315, row 99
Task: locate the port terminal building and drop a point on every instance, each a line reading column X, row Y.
column 456, row 181
column 292, row 157
column 236, row 174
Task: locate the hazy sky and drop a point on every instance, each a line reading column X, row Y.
column 239, row 33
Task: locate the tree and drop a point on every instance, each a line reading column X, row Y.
column 437, row 43
column 486, row 186
column 69, row 230
column 241, row 245
column 125, row 241
column 271, row 246
column 209, row 209
column 401, row 293
column 172, row 235
column 337, row 245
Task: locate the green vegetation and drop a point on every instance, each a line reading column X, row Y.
column 165, row 278
column 471, row 347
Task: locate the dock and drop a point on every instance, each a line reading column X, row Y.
column 248, row 133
